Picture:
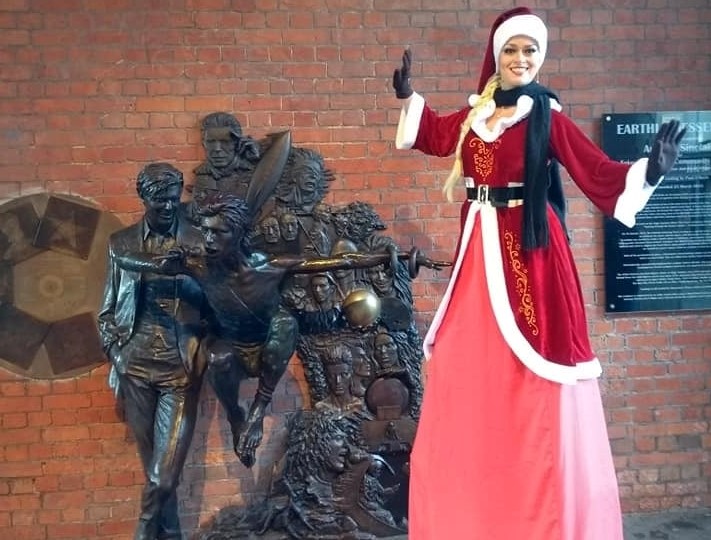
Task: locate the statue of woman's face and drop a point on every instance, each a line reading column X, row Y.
column 385, row 351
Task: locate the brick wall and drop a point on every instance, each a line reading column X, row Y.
column 91, row 90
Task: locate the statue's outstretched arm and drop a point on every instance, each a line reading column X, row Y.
column 172, row 263
column 358, row 259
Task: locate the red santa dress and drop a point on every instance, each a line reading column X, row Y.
column 512, row 441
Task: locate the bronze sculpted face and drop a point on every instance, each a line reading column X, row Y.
column 308, row 179
column 220, row 146
column 160, row 186
column 270, row 230
column 289, row 227
column 362, row 365
column 219, row 237
column 223, row 222
column 322, row 288
column 339, row 378
column 162, row 207
column 385, row 352
column 337, row 454
column 381, row 278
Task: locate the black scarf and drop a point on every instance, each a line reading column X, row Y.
column 542, row 182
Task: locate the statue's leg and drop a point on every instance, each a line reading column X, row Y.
column 169, row 519
column 225, row 376
column 140, row 400
column 176, row 416
column 276, row 352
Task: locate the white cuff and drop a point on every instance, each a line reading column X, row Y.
column 636, row 194
column 409, row 124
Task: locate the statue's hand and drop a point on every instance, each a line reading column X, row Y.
column 114, row 381
column 393, row 252
column 249, row 439
column 118, row 366
column 418, row 259
column 115, row 357
column 177, row 253
column 174, row 259
column 430, row 263
column 248, row 148
column 392, row 490
column 422, row 260
column 356, row 455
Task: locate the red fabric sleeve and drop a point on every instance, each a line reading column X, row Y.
column 438, row 135
column 600, row 178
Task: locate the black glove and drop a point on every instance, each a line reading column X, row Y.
column 401, row 76
column 665, row 150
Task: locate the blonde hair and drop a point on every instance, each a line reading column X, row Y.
column 455, row 174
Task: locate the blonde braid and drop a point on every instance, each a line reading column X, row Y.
column 456, row 173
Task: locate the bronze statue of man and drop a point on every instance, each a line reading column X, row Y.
column 253, row 334
column 151, row 326
column 231, row 157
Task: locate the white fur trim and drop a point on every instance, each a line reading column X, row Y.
column 472, row 99
column 409, row 124
column 444, row 303
column 498, row 295
column 520, row 25
column 636, row 194
column 524, row 104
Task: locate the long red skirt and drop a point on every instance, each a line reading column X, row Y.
column 501, row 453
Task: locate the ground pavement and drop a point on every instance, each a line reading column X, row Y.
column 691, row 524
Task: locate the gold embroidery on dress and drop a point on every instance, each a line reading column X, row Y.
column 522, row 286
column 483, row 157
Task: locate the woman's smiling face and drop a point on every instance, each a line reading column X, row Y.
column 519, row 62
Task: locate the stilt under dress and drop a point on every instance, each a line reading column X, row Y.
column 512, row 441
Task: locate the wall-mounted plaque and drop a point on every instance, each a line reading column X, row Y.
column 664, row 262
column 52, row 268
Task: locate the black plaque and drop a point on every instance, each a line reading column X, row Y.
column 664, row 262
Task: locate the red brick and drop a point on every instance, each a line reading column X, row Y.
column 29, row 532
column 22, row 502
column 71, row 530
column 150, row 104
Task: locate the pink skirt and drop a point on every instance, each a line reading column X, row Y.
column 501, row 453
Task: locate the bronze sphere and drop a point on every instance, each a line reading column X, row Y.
column 361, row 308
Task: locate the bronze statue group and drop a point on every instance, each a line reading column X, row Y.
column 227, row 286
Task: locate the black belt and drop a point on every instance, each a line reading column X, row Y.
column 500, row 197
